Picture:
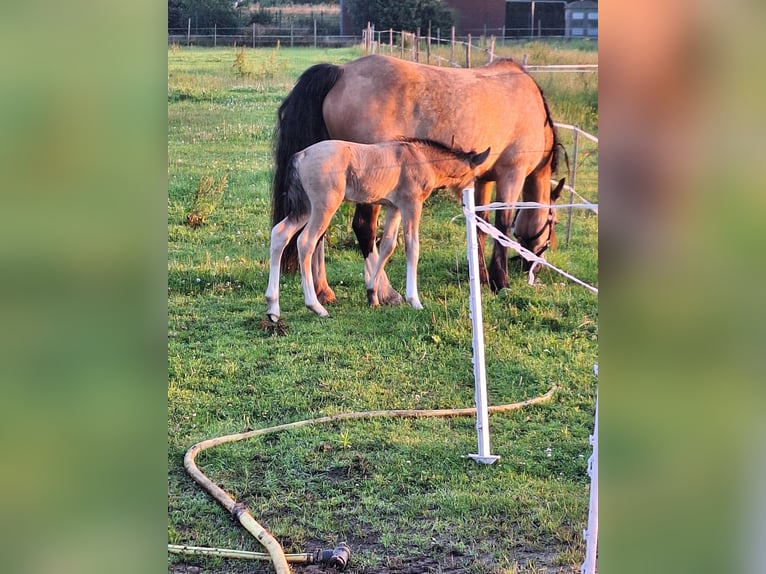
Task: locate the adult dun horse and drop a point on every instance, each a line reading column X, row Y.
column 400, row 174
column 378, row 98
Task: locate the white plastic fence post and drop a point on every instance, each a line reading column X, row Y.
column 477, row 321
column 591, row 534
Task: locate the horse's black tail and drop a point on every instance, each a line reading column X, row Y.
column 299, row 124
column 296, row 202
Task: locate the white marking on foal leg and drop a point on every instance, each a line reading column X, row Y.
column 412, row 249
column 280, row 235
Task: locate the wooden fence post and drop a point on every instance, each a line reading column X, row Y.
column 452, row 48
column 468, row 52
column 401, row 40
column 188, row 32
column 391, row 41
column 428, row 44
column 417, row 45
column 215, row 35
column 253, row 34
column 315, row 32
column 491, row 49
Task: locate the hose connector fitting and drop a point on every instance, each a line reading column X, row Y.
column 337, row 558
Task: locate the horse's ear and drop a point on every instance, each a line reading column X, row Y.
column 557, row 190
column 479, row 158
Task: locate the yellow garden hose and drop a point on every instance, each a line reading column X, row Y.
column 339, row 557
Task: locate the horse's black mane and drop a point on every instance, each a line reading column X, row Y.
column 557, row 147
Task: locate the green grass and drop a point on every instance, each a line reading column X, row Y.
column 401, row 492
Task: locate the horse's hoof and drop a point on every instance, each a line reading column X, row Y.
column 498, row 286
column 326, row 296
column 372, row 298
column 392, row 298
column 273, row 318
column 416, row 305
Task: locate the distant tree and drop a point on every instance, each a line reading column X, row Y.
column 203, row 13
column 400, row 14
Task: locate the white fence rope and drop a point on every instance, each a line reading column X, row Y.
column 591, row 137
column 563, row 68
column 569, row 188
column 496, row 206
column 479, row 362
column 503, row 239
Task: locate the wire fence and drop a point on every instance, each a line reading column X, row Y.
column 257, row 36
column 318, row 35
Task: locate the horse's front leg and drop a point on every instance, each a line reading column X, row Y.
column 508, row 191
column 412, row 250
column 365, row 226
column 482, row 196
column 387, row 246
column 280, row 236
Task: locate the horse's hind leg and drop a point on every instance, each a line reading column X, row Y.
column 387, row 246
column 365, row 226
column 324, row 292
column 280, row 236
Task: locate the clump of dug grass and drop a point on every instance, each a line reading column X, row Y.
column 206, row 199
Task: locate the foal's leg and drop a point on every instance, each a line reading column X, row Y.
column 387, row 246
column 280, row 236
column 412, row 250
column 317, row 224
column 365, row 227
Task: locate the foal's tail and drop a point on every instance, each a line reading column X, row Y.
column 299, row 124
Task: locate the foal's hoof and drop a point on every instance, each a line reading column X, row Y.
column 273, row 318
column 319, row 310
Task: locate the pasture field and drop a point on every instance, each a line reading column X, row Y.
column 401, row 492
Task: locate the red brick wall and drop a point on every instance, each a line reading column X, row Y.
column 471, row 16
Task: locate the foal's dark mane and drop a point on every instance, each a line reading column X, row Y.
column 439, row 146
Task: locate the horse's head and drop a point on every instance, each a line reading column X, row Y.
column 535, row 229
